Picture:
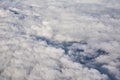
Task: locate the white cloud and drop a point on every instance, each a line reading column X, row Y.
column 59, row 40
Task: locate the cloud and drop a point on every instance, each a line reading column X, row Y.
column 59, row 40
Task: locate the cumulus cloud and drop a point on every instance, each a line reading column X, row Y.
column 59, row 40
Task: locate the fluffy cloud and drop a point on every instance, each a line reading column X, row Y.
column 59, row 40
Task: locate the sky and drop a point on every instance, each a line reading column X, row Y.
column 59, row 40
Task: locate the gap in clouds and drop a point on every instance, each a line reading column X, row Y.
column 76, row 54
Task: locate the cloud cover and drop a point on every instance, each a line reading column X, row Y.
column 59, row 40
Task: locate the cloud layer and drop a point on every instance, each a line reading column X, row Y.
column 59, row 40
